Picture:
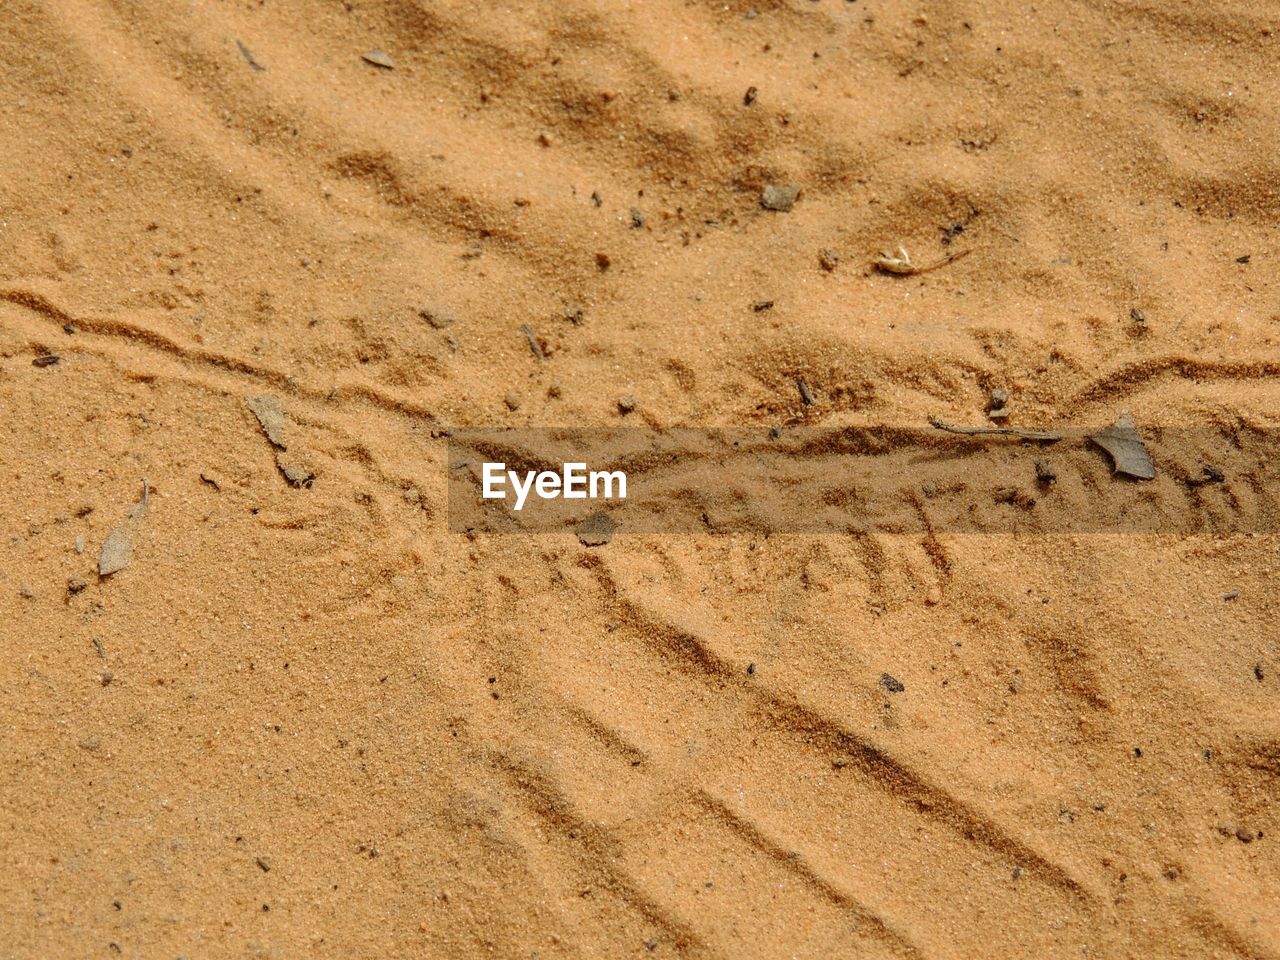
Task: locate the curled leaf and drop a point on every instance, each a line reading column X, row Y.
column 1125, row 447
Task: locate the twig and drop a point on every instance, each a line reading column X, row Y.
column 1045, row 435
column 903, row 265
column 534, row 345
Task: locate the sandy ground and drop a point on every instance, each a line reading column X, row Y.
column 311, row 721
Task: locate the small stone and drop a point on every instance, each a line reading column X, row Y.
column 379, row 58
column 575, row 313
column 999, row 397
column 91, row 743
column 544, row 138
column 437, row 316
column 1245, row 835
column 76, row 584
column 25, row 591
column 626, row 404
column 105, row 677
column 637, row 219
column 891, row 684
column 513, row 401
column 749, row 97
column 596, row 530
column 47, row 360
column 1045, row 473
column 79, row 544
column 412, row 496
column 828, row 259
column 779, row 197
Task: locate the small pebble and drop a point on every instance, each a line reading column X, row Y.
column 891, row 684
column 1045, row 472
column 779, row 197
column 75, row 585
column 828, row 259
column 626, row 404
column 513, row 401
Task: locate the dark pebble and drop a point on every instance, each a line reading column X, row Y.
column 891, row 684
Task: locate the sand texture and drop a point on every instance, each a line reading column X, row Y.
column 281, row 249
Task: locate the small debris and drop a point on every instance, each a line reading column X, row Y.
column 806, row 395
column 438, row 316
column 1045, row 474
column 105, row 677
column 602, row 261
column 211, row 481
column 263, row 865
column 828, row 259
column 91, row 743
column 1257, row 672
column 513, row 401
column 296, row 473
column 596, row 530
column 749, row 97
column 760, row 306
column 575, row 313
column 273, row 419
column 902, row 264
column 1128, row 454
column 379, row 58
column 637, row 219
column 1208, row 474
column 1244, row 259
column 76, row 584
column 891, row 684
column 1231, row 595
column 117, row 549
column 25, row 591
column 626, row 404
column 46, row 360
column 248, row 57
column 1137, row 316
column 79, row 545
column 999, row 397
column 545, row 139
column 534, row 345
column 779, row 197
column 1047, row 436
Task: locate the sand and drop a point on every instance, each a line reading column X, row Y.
column 307, row 719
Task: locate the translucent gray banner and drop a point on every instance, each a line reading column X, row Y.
column 824, row 480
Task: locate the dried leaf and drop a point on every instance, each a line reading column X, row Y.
column 274, row 420
column 117, row 549
column 1123, row 444
column 117, row 552
column 379, row 58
